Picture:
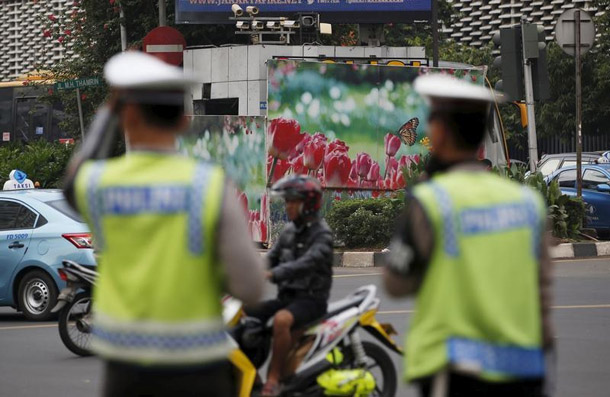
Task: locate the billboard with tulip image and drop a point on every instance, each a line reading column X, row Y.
column 237, row 143
column 354, row 127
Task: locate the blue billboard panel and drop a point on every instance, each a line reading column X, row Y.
column 338, row 11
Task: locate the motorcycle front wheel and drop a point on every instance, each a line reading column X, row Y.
column 380, row 364
column 74, row 324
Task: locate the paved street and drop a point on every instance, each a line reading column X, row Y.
column 35, row 363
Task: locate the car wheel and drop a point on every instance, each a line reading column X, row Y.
column 37, row 295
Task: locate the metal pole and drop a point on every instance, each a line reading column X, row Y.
column 123, row 30
column 435, row 33
column 578, row 106
column 529, row 101
column 80, row 115
column 162, row 13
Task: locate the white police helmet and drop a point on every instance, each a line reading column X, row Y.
column 134, row 70
column 444, row 88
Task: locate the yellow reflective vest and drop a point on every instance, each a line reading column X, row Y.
column 478, row 308
column 153, row 218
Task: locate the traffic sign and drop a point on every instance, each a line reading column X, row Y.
column 78, row 83
column 565, row 32
column 165, row 43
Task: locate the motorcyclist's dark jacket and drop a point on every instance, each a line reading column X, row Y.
column 301, row 260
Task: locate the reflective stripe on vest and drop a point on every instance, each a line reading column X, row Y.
column 449, row 229
column 160, row 343
column 161, row 199
column 477, row 356
column 488, row 219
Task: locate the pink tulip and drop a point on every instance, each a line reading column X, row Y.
column 298, row 167
column 298, row 149
column 363, row 164
column 337, row 167
column 373, row 174
column 280, row 169
column 406, row 161
column 337, row 146
column 353, row 174
column 398, row 180
column 391, row 166
column 284, row 136
column 392, row 144
column 313, row 152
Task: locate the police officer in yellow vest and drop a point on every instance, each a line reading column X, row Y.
column 171, row 236
column 471, row 247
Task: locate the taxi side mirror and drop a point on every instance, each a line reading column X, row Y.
column 603, row 187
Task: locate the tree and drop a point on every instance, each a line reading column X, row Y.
column 557, row 116
column 91, row 30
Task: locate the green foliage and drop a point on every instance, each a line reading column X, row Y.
column 516, row 172
column 566, row 213
column 364, row 223
column 556, row 117
column 42, row 161
column 414, row 172
column 91, row 30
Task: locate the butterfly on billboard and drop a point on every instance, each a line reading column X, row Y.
column 408, row 131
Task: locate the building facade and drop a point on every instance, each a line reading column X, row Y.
column 24, row 46
column 476, row 21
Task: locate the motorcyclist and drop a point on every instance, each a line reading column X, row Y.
column 301, row 265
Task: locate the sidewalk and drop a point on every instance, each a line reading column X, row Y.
column 561, row 251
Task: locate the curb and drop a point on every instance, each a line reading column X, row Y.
column 561, row 251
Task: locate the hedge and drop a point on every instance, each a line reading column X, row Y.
column 369, row 223
column 42, row 161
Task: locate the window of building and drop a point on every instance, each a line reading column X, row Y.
column 216, row 107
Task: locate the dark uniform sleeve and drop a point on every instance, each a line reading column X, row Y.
column 320, row 249
column 410, row 250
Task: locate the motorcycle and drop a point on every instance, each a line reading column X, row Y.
column 329, row 359
column 74, row 306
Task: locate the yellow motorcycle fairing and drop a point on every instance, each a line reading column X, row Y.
column 380, row 331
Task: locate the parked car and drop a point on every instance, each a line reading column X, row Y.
column 550, row 163
column 595, row 192
column 37, row 231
